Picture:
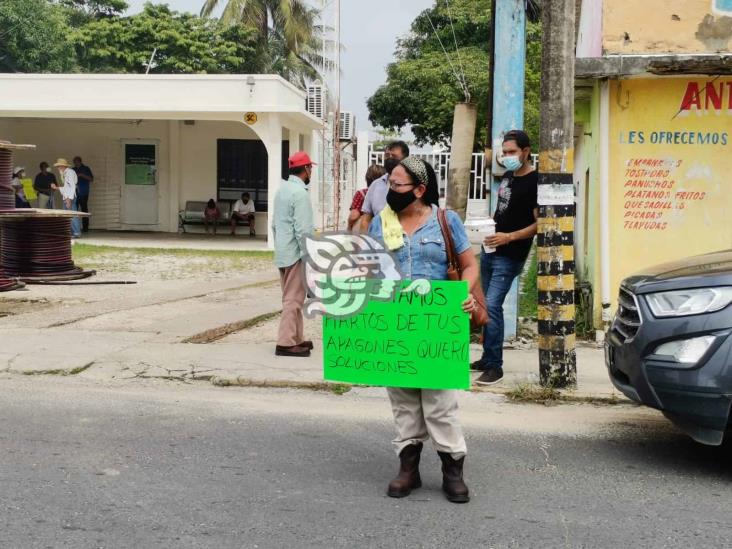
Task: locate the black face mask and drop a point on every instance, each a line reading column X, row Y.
column 399, row 201
column 390, row 164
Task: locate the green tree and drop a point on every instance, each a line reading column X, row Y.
column 422, row 88
column 81, row 12
column 288, row 36
column 183, row 43
column 34, row 37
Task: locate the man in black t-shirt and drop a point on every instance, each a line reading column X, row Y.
column 42, row 186
column 515, row 217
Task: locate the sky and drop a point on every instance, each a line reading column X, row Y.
column 369, row 32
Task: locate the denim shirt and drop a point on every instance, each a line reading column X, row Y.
column 424, row 254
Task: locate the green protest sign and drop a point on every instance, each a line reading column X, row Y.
column 415, row 341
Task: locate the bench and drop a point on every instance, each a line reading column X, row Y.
column 193, row 215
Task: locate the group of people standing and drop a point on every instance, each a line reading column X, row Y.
column 74, row 186
column 402, row 200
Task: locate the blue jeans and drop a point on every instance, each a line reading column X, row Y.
column 75, row 221
column 497, row 273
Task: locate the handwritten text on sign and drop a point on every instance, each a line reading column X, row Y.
column 417, row 341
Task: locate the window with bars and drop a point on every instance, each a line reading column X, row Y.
column 242, row 167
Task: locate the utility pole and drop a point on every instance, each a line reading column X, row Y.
column 556, row 310
column 461, row 157
column 337, row 120
column 507, row 110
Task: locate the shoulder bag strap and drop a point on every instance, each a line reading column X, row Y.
column 449, row 243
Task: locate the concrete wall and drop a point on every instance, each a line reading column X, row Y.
column 589, row 36
column 187, row 159
column 669, row 171
column 158, row 96
column 666, row 26
column 669, row 160
column 587, row 181
column 99, row 143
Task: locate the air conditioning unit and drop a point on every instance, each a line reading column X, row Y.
column 315, row 101
column 347, row 126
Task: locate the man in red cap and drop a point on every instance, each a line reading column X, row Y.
column 292, row 220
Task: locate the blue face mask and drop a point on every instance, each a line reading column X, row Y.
column 512, row 163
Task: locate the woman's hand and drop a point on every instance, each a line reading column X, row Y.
column 469, row 304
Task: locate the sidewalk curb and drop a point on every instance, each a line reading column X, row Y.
column 342, row 388
column 239, row 381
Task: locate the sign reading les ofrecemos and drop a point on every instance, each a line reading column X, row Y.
column 415, row 341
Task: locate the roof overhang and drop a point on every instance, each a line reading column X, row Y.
column 152, row 97
column 616, row 66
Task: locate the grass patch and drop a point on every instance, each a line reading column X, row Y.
column 536, row 394
column 58, row 372
column 529, row 392
column 339, row 388
column 529, row 294
column 215, row 334
column 90, row 251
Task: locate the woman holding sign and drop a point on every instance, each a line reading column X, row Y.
column 409, row 226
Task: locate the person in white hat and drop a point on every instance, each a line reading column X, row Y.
column 68, row 193
column 20, row 200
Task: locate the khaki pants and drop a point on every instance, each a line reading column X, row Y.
column 44, row 201
column 421, row 414
column 293, row 298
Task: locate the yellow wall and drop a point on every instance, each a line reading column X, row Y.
column 671, row 194
column 666, row 26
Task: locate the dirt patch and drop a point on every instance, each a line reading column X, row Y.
column 14, row 306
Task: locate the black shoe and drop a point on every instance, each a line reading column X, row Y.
column 490, row 377
column 295, row 350
column 478, row 366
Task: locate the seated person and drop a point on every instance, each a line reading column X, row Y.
column 211, row 215
column 243, row 211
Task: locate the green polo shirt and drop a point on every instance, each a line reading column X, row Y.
column 292, row 220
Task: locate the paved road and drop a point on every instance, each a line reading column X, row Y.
column 154, row 464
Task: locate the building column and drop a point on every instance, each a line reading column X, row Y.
column 174, row 173
column 272, row 139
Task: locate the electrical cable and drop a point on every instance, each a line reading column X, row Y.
column 38, row 249
column 447, row 56
column 7, row 202
column 457, row 52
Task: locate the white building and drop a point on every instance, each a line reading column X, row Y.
column 157, row 141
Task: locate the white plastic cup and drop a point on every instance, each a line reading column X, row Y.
column 486, row 227
column 490, row 230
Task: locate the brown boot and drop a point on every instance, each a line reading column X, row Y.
column 408, row 477
column 452, row 479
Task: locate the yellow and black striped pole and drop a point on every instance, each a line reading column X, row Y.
column 555, row 239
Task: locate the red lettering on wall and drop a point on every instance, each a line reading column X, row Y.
column 691, row 97
column 714, row 96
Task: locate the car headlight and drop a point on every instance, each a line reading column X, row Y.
column 689, row 302
column 685, row 351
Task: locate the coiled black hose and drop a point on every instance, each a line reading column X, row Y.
column 38, row 249
column 7, row 202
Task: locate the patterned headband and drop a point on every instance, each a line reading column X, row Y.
column 417, row 167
